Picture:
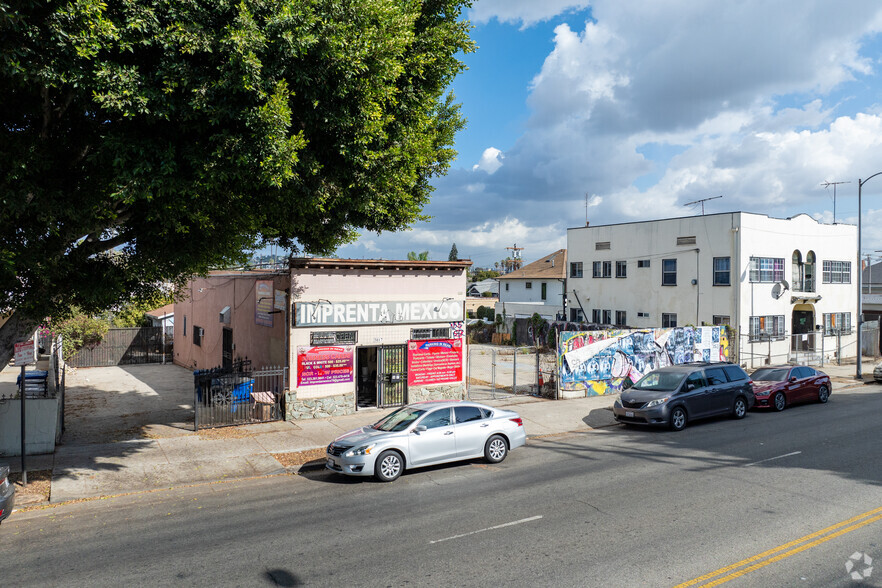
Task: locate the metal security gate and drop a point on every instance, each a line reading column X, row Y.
column 238, row 396
column 126, row 347
column 392, row 376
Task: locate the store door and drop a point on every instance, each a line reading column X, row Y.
column 392, row 376
column 366, row 364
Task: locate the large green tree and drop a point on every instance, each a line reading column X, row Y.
column 145, row 141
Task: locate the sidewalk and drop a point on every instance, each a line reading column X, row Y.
column 87, row 470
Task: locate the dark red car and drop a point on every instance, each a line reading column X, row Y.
column 780, row 386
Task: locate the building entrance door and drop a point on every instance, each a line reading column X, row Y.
column 803, row 324
column 366, row 366
column 392, row 378
column 227, row 349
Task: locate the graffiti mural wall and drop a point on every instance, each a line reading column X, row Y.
column 597, row 362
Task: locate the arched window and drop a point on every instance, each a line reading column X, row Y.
column 797, row 271
column 809, row 272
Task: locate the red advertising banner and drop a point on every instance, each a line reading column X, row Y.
column 434, row 362
column 325, row 365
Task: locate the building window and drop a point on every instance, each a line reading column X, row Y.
column 686, row 240
column 185, row 325
column 721, row 271
column 529, row 285
column 669, row 272
column 621, row 318
column 544, row 293
column 197, row 335
column 601, row 245
column 837, row 272
column 766, row 269
column 766, row 327
column 621, row 269
column 576, row 315
column 607, row 317
column 721, row 319
column 669, row 319
column 422, row 334
column 595, row 316
column 837, row 322
column 506, row 286
column 333, row 337
column 576, row 269
column 602, row 269
column 642, row 263
column 642, row 315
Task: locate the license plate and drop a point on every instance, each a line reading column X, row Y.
column 629, row 413
column 331, row 462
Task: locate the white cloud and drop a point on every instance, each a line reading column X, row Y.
column 525, row 12
column 491, row 160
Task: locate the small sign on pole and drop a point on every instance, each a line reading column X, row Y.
column 24, row 353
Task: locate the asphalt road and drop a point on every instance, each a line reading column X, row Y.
column 782, row 499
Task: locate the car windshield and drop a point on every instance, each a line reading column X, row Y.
column 399, row 420
column 770, row 374
column 664, row 381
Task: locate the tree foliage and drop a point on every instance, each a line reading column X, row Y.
column 146, row 141
column 79, row 330
column 421, row 256
column 454, row 254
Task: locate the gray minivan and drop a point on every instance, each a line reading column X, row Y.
column 672, row 396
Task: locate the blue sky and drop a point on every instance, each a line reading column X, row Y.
column 641, row 107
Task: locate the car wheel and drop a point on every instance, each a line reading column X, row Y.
column 779, row 401
column 389, row 466
column 678, row 419
column 495, row 449
column 739, row 409
column 823, row 394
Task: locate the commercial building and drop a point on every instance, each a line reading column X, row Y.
column 353, row 334
column 787, row 286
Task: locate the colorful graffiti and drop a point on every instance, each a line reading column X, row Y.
column 597, row 362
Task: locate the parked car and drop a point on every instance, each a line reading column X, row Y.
column 780, row 386
column 674, row 395
column 424, row 434
column 7, row 494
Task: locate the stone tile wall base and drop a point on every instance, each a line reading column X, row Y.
column 442, row 392
column 318, row 408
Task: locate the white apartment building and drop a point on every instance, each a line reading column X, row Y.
column 788, row 286
column 536, row 288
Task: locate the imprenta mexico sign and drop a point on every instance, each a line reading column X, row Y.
column 323, row 313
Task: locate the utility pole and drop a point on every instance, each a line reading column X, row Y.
column 834, row 184
column 702, row 201
column 515, row 259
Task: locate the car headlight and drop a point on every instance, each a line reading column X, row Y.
column 363, row 450
column 656, row 402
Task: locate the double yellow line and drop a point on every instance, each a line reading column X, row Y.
column 745, row 566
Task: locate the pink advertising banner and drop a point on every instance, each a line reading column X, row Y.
column 434, row 362
column 325, row 364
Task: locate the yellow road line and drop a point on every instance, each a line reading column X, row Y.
column 730, row 569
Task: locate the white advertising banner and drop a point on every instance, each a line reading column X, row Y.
column 323, row 313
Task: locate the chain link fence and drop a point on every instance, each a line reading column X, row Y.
column 498, row 372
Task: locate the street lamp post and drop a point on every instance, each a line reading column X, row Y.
column 858, row 375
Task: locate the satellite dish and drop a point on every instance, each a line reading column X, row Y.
column 777, row 290
column 784, row 284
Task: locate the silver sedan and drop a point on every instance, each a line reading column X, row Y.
column 424, row 434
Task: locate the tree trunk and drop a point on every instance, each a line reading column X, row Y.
column 15, row 330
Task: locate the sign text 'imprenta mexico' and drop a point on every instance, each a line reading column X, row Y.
column 324, row 313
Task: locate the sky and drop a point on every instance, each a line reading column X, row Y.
column 614, row 111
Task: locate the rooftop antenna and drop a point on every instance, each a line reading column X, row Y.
column 702, row 201
column 834, row 184
column 586, row 209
